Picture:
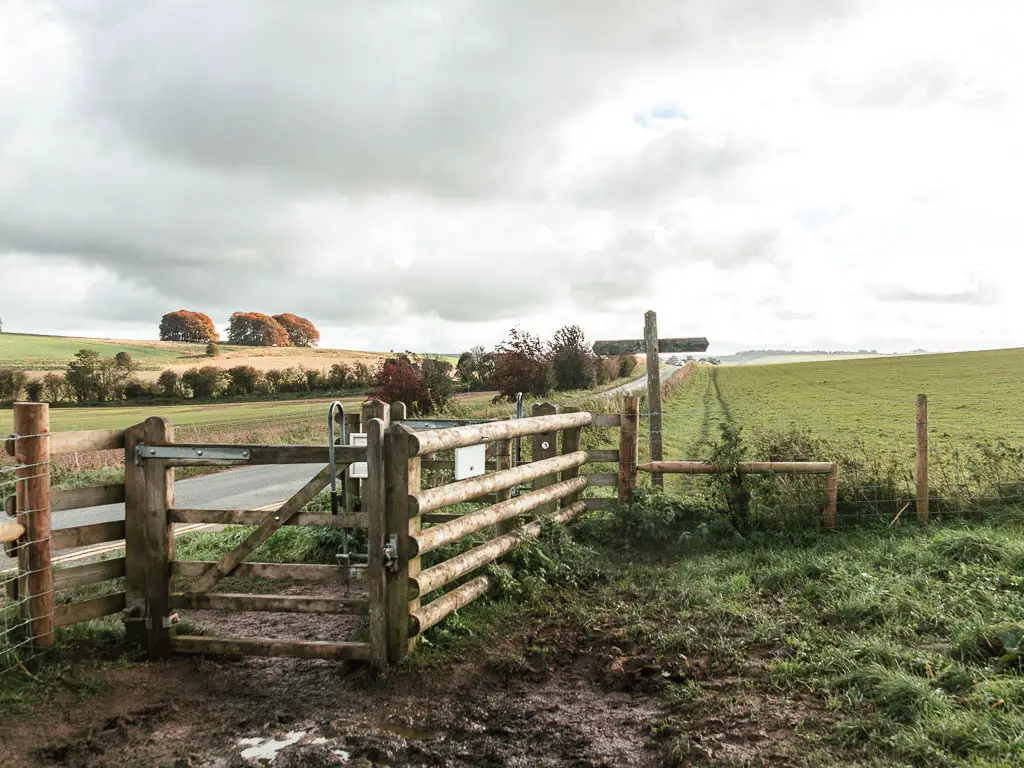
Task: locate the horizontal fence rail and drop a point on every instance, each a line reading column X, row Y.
column 463, row 525
column 471, row 488
column 743, row 467
column 432, row 441
column 445, row 573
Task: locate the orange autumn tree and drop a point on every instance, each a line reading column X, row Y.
column 254, row 329
column 185, row 325
column 301, row 332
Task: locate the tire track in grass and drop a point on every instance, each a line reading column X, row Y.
column 724, row 406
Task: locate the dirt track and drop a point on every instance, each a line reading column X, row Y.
column 549, row 710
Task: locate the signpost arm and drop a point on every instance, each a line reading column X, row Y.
column 653, row 391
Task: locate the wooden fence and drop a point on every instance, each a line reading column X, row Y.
column 405, row 516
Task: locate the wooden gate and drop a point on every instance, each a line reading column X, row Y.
column 152, row 588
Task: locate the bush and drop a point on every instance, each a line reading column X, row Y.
column 400, row 379
column 521, row 365
column 212, row 350
column 627, row 364
column 91, row 377
column 362, row 376
column 12, row 381
column 475, row 369
column 168, row 383
column 339, row 376
column 243, row 380
column 55, row 388
column 203, row 382
column 572, row 362
column 606, row 369
column 437, row 378
column 34, row 391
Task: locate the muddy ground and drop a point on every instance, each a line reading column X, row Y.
column 543, row 696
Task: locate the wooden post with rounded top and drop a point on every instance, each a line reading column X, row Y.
column 32, row 479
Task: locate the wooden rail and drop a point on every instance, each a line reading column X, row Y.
column 745, row 467
column 464, row 490
column 77, row 498
column 255, row 517
column 222, row 601
column 448, row 571
column 315, row 574
column 436, row 610
column 89, row 573
column 434, row 440
column 463, row 525
column 72, row 613
column 263, row 646
column 89, row 440
column 84, row 535
column 830, row 469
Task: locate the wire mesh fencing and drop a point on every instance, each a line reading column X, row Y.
column 975, row 447
column 17, row 569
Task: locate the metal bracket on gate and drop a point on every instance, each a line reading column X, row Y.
column 391, row 553
column 218, row 453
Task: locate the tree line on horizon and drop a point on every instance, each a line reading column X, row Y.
column 247, row 329
column 522, row 363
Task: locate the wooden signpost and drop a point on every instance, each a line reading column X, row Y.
column 652, row 345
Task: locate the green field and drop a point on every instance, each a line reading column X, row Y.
column 117, row 417
column 972, row 396
column 39, row 352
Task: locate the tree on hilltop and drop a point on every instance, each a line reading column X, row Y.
column 254, row 329
column 185, row 325
column 301, row 332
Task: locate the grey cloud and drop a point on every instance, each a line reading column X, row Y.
column 452, row 98
column 685, row 159
column 195, row 134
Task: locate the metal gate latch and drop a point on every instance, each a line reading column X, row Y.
column 391, row 553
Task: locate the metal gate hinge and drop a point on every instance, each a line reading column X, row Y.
column 391, row 553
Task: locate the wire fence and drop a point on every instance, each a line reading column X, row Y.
column 975, row 447
column 16, row 628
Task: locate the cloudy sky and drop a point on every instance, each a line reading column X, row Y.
column 424, row 175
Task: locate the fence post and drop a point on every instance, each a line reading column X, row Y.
column 352, row 423
column 374, row 507
column 503, row 460
column 653, row 392
column 830, row 518
column 399, row 411
column 32, row 498
column 157, row 540
column 629, row 424
column 544, row 446
column 570, row 444
column 376, row 416
column 922, row 458
column 401, row 478
column 134, row 538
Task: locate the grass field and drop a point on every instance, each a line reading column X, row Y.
column 972, row 396
column 40, row 353
column 861, row 413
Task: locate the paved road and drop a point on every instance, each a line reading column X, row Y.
column 641, row 383
column 246, row 488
